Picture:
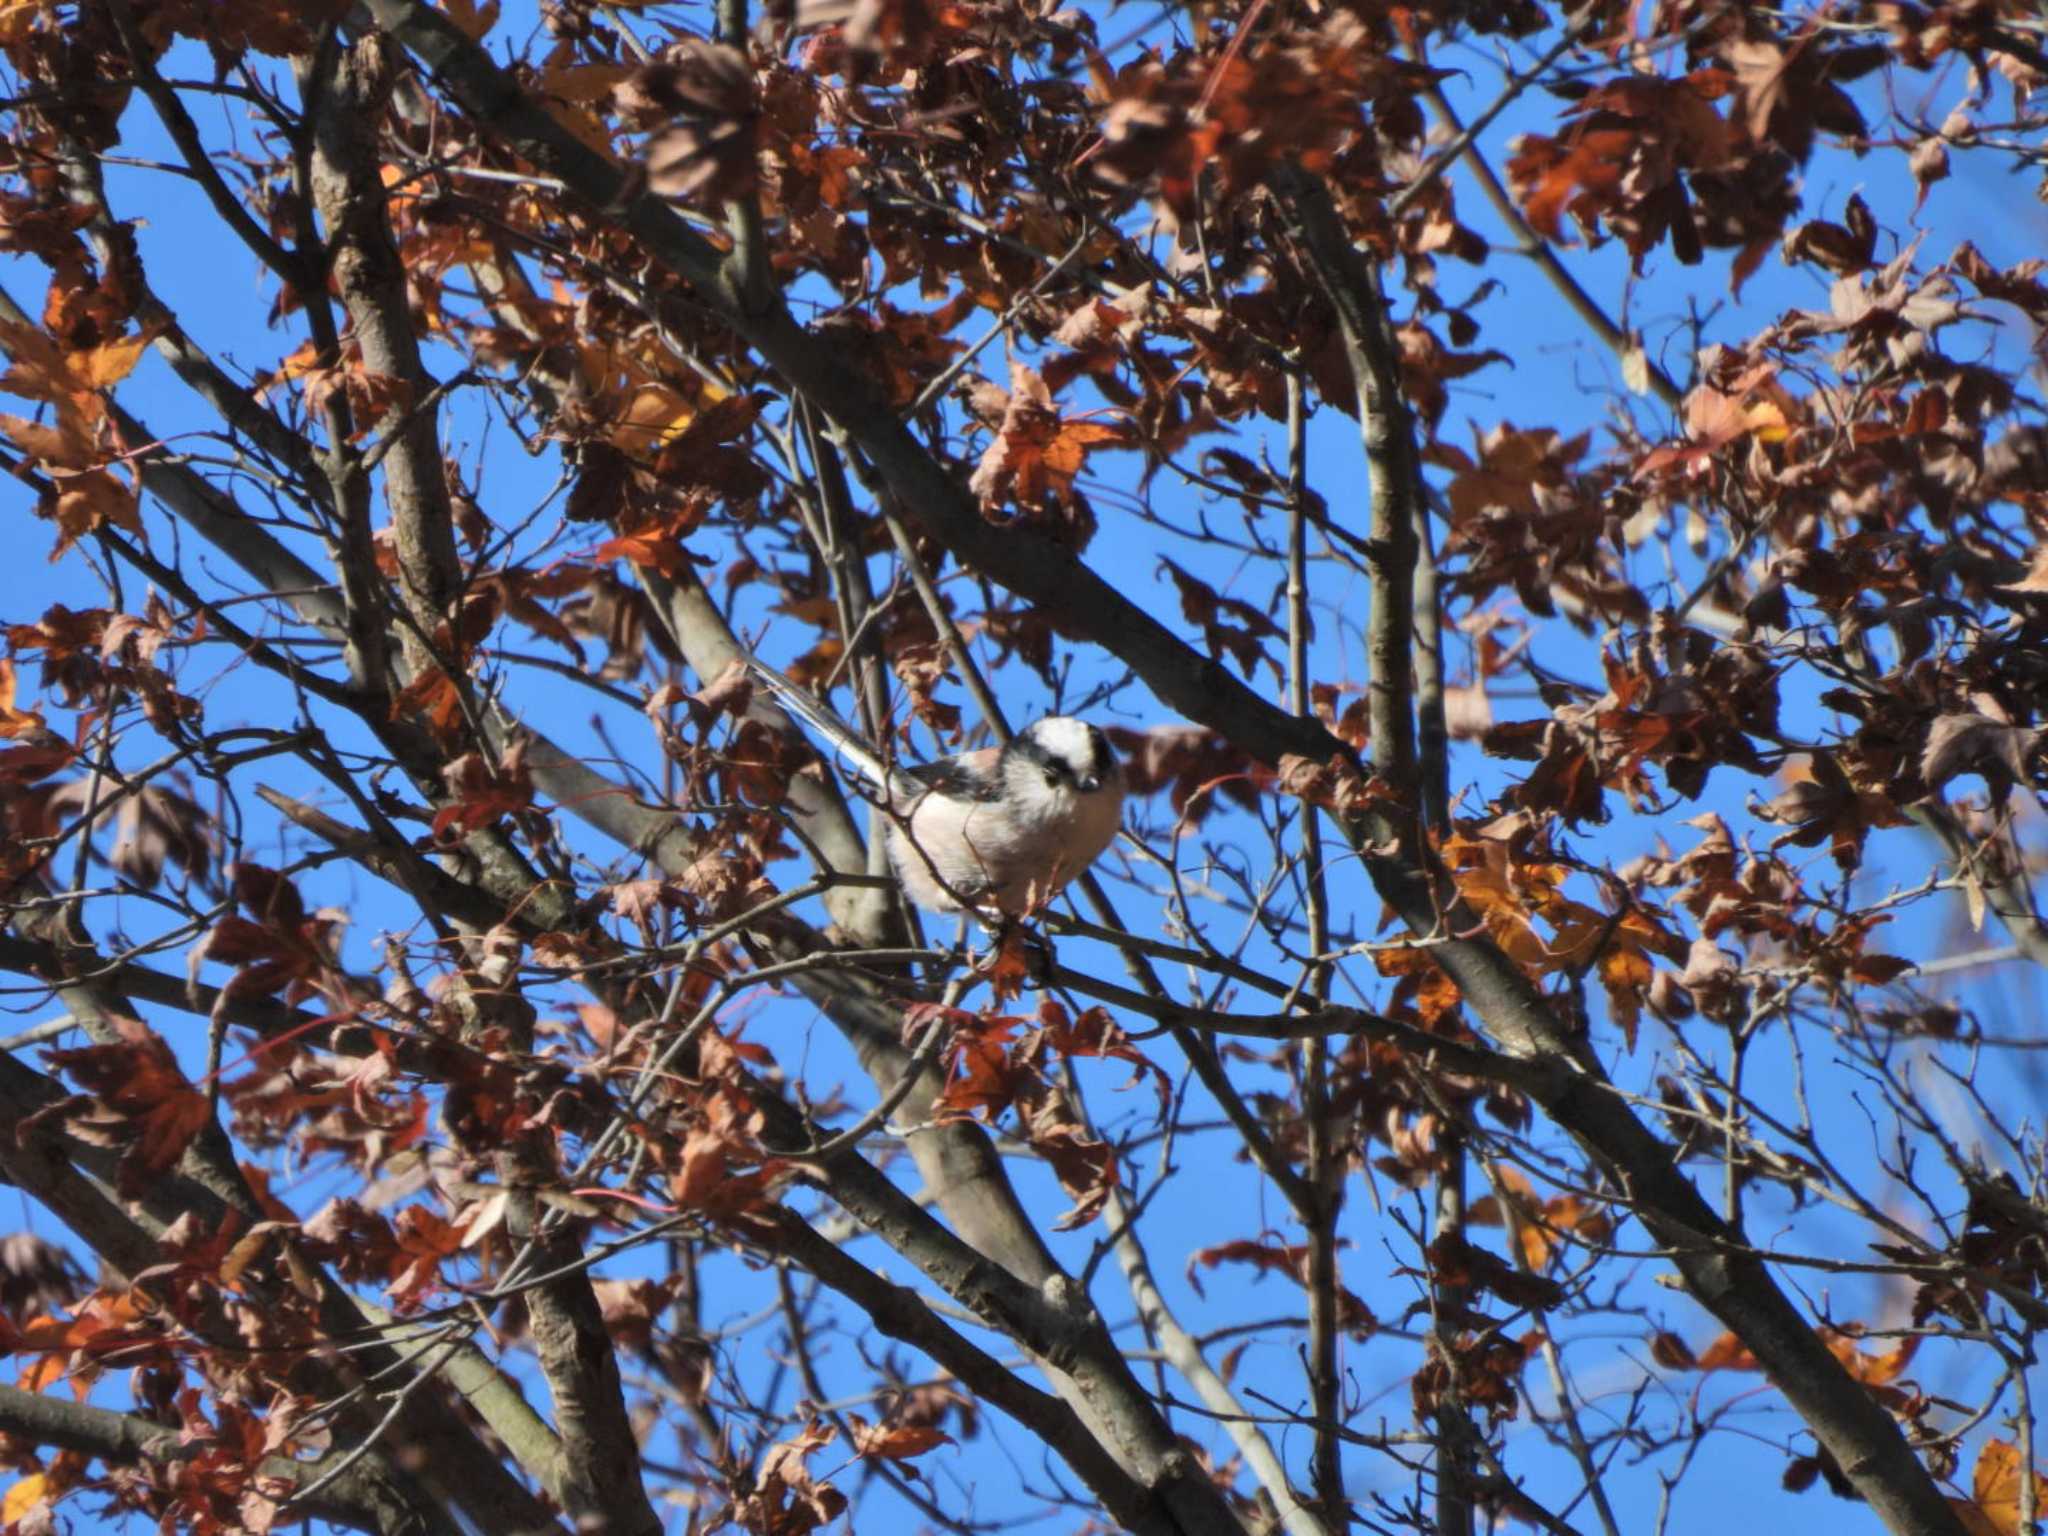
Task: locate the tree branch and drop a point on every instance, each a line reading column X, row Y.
column 362, row 1499
column 1736, row 1287
column 1021, row 559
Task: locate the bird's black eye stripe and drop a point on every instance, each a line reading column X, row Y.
column 1065, row 768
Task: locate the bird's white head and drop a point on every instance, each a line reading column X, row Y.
column 1061, row 755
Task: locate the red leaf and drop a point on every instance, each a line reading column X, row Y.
column 155, row 1111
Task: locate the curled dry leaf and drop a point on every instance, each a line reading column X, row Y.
column 1227, row 623
column 16, row 724
column 1338, row 786
column 785, row 1499
column 1967, row 742
column 1290, row 1261
column 897, row 1442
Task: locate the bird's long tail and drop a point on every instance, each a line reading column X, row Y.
column 848, row 746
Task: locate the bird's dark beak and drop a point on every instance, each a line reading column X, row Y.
column 1088, row 783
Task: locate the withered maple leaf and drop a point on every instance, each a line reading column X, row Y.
column 657, row 543
column 1969, row 741
column 1215, row 612
column 1037, row 452
column 104, row 1324
column 141, row 1102
column 78, row 448
column 1997, row 1491
column 785, row 1499
column 155, row 826
column 278, row 947
column 1513, row 470
column 341, row 381
column 710, row 152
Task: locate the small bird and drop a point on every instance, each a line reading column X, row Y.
column 1001, row 829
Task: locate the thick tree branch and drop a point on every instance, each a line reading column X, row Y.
column 1352, row 285
column 370, row 276
column 361, row 1499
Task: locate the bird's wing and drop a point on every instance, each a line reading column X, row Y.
column 847, row 744
column 971, row 776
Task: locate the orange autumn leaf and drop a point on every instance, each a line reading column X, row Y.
column 707, row 1181
column 655, row 547
column 33, row 1489
column 369, row 396
column 1510, row 892
column 1993, row 1508
column 480, row 792
column 92, row 500
column 1507, row 894
column 1037, row 452
column 981, row 1075
column 651, row 415
column 15, row 723
column 1726, row 1353
column 278, row 948
column 1422, row 983
column 424, row 1239
column 896, row 1442
column 100, row 1325
column 73, row 452
column 1879, row 1370
column 103, row 367
column 434, row 698
column 1513, row 469
column 1540, row 1226
column 1620, row 947
column 45, row 369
